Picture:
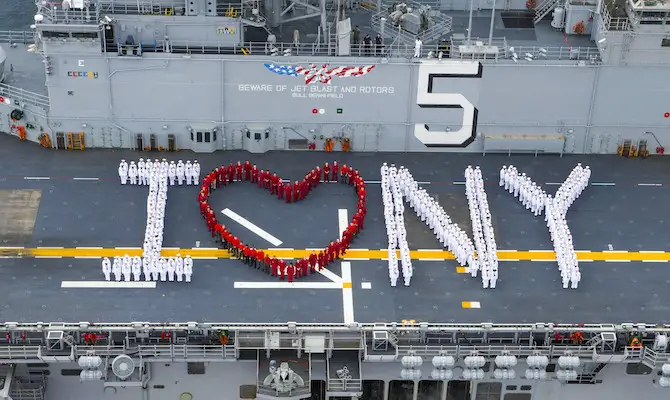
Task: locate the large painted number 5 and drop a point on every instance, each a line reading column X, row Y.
column 425, row 98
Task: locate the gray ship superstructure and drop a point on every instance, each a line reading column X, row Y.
column 134, row 77
column 562, row 77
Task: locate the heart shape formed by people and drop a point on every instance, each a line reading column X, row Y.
column 288, row 192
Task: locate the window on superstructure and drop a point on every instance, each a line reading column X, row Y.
column 48, row 34
column 429, row 390
column 459, row 390
column 208, row 137
column 401, row 390
column 665, row 42
column 85, row 35
column 489, row 391
column 517, row 396
column 199, row 137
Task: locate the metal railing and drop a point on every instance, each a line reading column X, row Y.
column 19, row 352
column 163, row 351
column 440, row 25
column 344, row 385
column 269, row 391
column 54, row 14
column 23, row 37
column 143, row 7
column 17, row 96
column 613, row 24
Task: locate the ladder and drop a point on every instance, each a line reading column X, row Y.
column 75, row 140
column 544, row 8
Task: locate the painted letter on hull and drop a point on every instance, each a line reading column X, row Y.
column 425, row 98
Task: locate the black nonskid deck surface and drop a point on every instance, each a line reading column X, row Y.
column 85, row 213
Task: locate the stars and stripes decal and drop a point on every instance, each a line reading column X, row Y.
column 321, row 74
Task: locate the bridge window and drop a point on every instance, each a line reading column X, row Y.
column 401, row 390
column 373, row 390
column 458, row 390
column 199, row 137
column 208, row 137
column 429, row 390
column 489, row 391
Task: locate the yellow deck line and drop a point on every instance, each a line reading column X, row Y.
column 503, row 255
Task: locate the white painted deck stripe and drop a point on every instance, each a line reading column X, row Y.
column 250, row 226
column 347, row 294
column 106, row 285
column 617, row 261
column 356, row 259
column 366, row 285
column 650, row 184
column 603, row 184
column 475, row 304
column 655, row 261
column 287, row 285
column 48, row 256
column 51, row 247
column 431, row 259
column 459, row 183
column 330, row 275
column 36, row 178
column 88, row 248
column 342, row 220
column 88, row 257
column 85, row 179
column 553, row 184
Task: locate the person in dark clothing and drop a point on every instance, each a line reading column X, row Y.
column 367, row 43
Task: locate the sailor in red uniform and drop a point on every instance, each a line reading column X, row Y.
column 274, row 180
column 280, row 189
column 282, row 269
column 312, row 261
column 267, row 182
column 247, row 170
column 317, row 179
column 344, row 173
column 252, row 258
column 336, row 248
column 260, row 260
column 274, row 266
column 352, row 175
column 238, row 171
column 288, row 188
column 305, row 187
column 254, row 174
column 321, row 260
column 336, row 170
column 296, row 191
column 358, row 220
column 326, row 172
column 246, row 251
column 231, row 173
column 290, row 270
column 261, row 178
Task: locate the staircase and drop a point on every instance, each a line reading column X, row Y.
column 75, row 140
column 588, row 378
column 544, row 8
column 649, row 358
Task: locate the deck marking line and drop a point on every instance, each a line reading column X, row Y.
column 542, row 259
column 85, row 179
column 88, row 248
column 280, row 249
column 355, row 259
column 655, row 261
column 88, row 257
column 48, row 256
column 342, row 220
column 250, row 226
column 617, row 260
column 553, row 183
column 471, row 304
column 580, row 260
column 287, row 285
column 615, row 251
column 106, row 285
column 458, row 183
column 330, row 275
column 603, row 184
column 11, row 248
column 366, row 285
column 204, row 258
column 36, row 178
column 347, row 293
column 430, row 259
column 52, row 248
column 461, row 270
column 509, row 259
column 139, row 248
column 652, row 252
column 434, row 250
column 650, row 184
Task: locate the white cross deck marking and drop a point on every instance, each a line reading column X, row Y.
column 106, row 285
column 250, row 226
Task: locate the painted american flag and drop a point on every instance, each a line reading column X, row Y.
column 322, row 74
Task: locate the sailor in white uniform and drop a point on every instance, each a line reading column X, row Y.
column 146, row 267
column 196, row 173
column 180, row 172
column 188, row 268
column 132, row 173
column 164, row 165
column 126, row 266
column 417, row 47
column 137, row 268
column 123, row 172
column 106, row 268
column 155, row 269
column 163, row 268
column 141, row 172
column 172, row 172
column 116, row 269
column 188, row 172
column 171, row 267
